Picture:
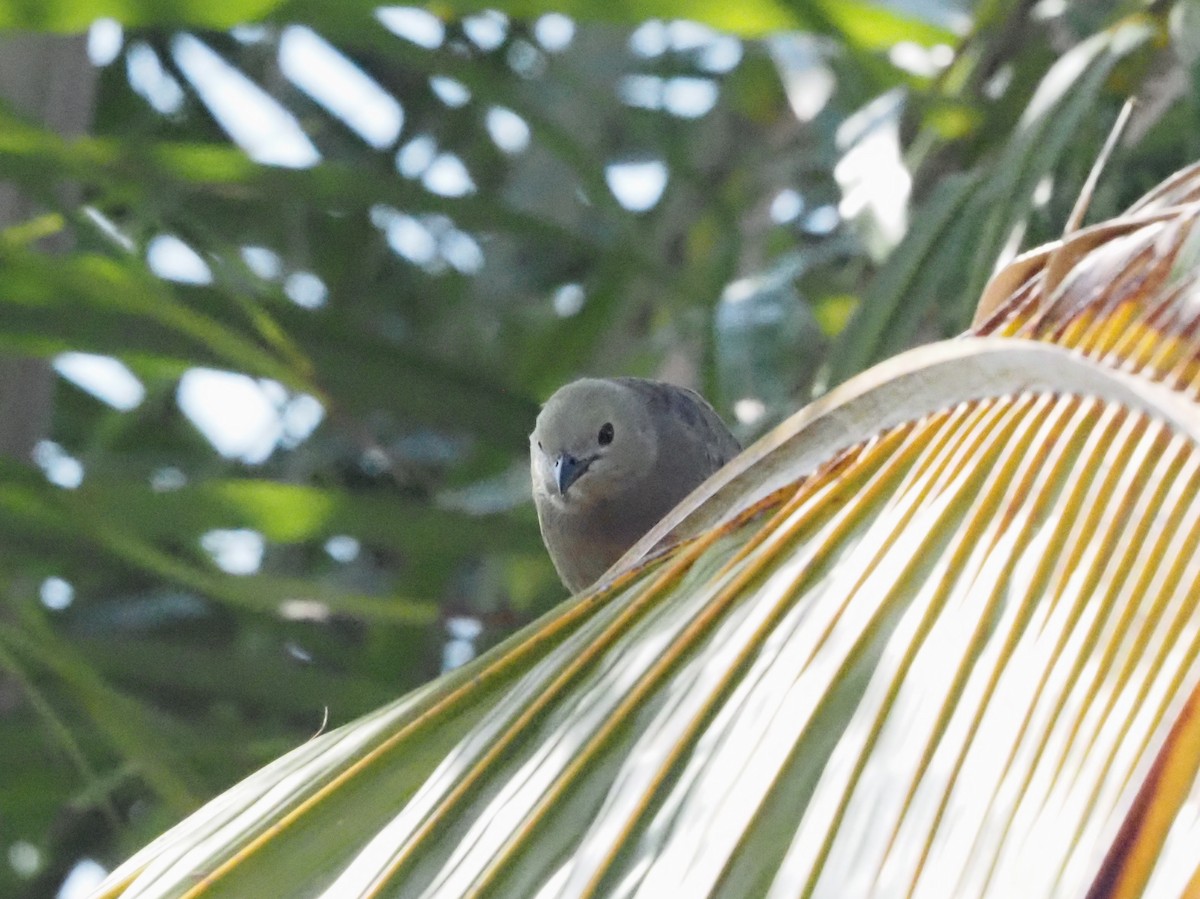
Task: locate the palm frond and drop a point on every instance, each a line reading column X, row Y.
column 936, row 635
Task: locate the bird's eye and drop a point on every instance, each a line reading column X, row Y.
column 606, row 434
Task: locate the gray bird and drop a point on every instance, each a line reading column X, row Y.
column 609, row 458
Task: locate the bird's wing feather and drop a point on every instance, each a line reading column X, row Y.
column 693, row 412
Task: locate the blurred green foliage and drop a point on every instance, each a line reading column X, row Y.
column 428, row 321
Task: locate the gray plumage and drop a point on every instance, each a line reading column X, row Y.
column 609, row 458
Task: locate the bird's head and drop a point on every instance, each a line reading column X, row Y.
column 593, row 439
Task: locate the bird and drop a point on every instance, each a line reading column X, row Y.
column 609, row 457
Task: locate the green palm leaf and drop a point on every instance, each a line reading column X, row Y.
column 936, row 635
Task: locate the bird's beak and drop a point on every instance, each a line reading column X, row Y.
column 568, row 470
